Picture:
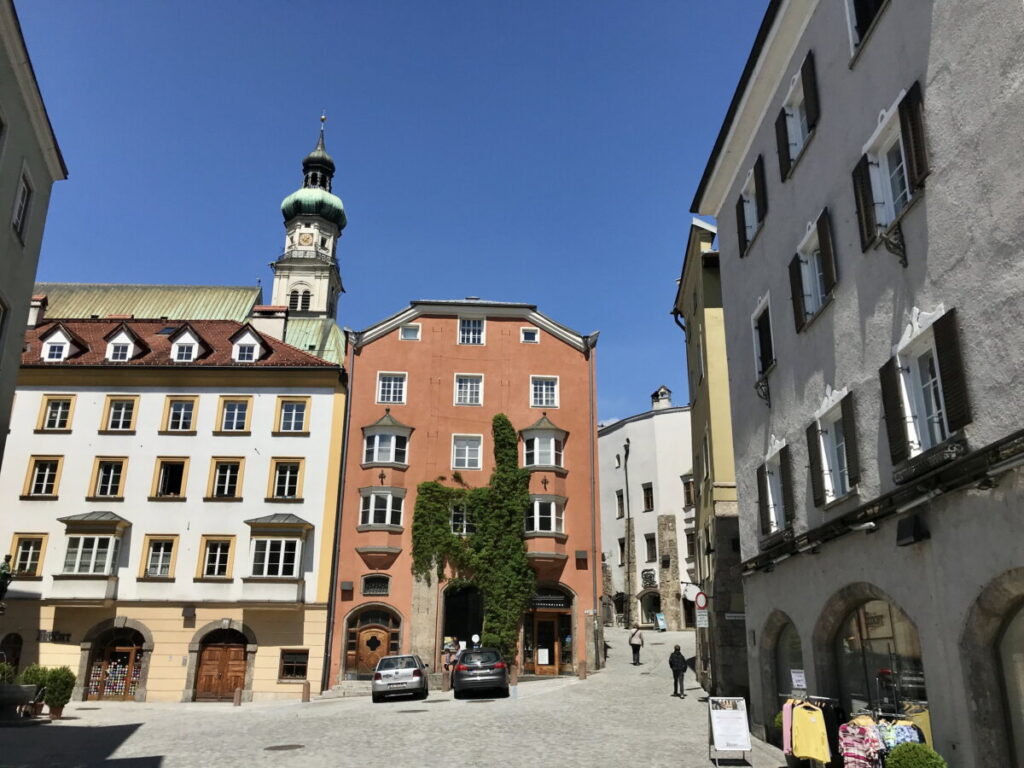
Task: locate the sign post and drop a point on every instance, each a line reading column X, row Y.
column 728, row 729
column 700, row 602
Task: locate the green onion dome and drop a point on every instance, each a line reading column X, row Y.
column 314, row 201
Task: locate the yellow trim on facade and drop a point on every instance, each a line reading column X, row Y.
column 44, row 404
column 16, row 541
column 281, row 400
column 105, row 421
column 240, row 460
column 166, row 418
column 271, row 480
column 94, row 489
column 144, row 559
column 115, row 378
column 329, row 522
column 26, row 490
column 160, row 460
column 201, row 560
column 218, row 428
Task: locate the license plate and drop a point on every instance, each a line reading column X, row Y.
column 396, row 685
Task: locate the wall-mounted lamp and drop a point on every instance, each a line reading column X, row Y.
column 868, row 527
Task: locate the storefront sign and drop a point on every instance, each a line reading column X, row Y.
column 543, row 658
column 736, row 616
column 729, row 729
column 799, row 679
column 47, row 636
column 702, row 617
column 549, row 602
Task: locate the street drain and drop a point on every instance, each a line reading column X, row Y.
column 410, row 711
column 657, row 643
column 283, row 747
column 481, row 701
column 85, row 709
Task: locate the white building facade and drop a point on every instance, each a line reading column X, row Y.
column 648, row 515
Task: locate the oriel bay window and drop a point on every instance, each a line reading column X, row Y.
column 381, row 505
column 543, row 443
column 276, row 557
column 386, row 441
column 812, row 272
column 832, row 451
column 924, row 387
column 91, row 554
column 775, row 493
column 286, row 479
column 545, row 514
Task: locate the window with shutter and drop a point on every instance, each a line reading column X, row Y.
column 812, row 272
column 774, row 493
column 829, row 441
column 798, row 116
column 751, row 206
column 861, row 15
column 764, row 351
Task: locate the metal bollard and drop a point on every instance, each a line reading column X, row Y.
column 238, row 697
column 305, row 691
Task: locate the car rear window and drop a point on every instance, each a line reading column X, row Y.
column 480, row 657
column 398, row 662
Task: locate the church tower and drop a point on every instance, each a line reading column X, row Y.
column 306, row 277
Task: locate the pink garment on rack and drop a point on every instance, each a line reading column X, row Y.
column 859, row 745
column 787, row 728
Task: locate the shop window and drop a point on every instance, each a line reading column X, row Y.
column 789, row 655
column 294, row 665
column 878, row 654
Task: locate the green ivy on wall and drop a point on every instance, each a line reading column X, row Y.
column 493, row 557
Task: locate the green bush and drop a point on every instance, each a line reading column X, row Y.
column 778, row 721
column 914, row 756
column 60, row 682
column 6, row 673
column 33, row 674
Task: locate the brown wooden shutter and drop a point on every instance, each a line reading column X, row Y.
column 912, row 128
column 809, row 78
column 850, row 440
column 828, row 254
column 814, row 455
column 785, row 467
column 865, row 200
column 796, row 287
column 951, row 371
column 760, row 189
column 782, row 143
column 892, row 410
column 741, row 226
column 762, row 500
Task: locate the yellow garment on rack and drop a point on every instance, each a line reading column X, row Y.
column 864, row 720
column 810, row 740
column 923, row 720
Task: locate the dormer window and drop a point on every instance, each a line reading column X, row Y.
column 246, row 346
column 246, row 353
column 122, row 345
column 56, row 351
column 184, row 353
column 119, row 352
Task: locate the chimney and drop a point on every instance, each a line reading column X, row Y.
column 662, row 398
column 270, row 320
column 37, row 310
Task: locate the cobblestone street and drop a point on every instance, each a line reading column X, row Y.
column 623, row 715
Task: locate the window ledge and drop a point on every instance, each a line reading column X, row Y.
column 214, row 579
column 562, row 537
column 838, row 500
column 384, row 464
column 231, row 433
column 647, row 510
column 808, row 319
column 291, row 680
column 83, row 577
column 166, row 498
column 115, row 431
column 561, row 471
column 867, row 35
column 104, row 499
column 776, row 537
column 803, row 151
column 289, row 434
column 277, row 500
column 158, row 579
column 222, row 498
column 26, row 577
column 886, row 230
column 948, row 450
column 272, row 580
column 379, row 527
column 183, row 432
column 555, row 407
column 38, row 497
column 52, row 431
column 753, row 239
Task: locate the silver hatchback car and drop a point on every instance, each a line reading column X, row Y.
column 397, row 675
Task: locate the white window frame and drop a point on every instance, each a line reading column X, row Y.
column 479, row 452
column 288, row 471
column 44, row 483
column 270, row 560
column 234, row 406
column 834, row 468
column 469, row 377
column 912, row 393
column 58, row 411
column 649, row 539
column 812, row 273
column 459, row 518
column 752, row 218
column 246, row 353
column 529, row 329
column 220, row 478
column 377, row 454
column 795, row 106
column 56, row 351
column 221, row 560
column 289, row 409
column 555, row 448
column 405, row 387
column 394, row 506
column 114, row 347
column 160, row 558
column 483, row 331
column 103, row 484
column 857, row 40
column 773, row 485
column 85, row 561
column 184, row 352
column 533, row 399
column 28, row 553
column 118, row 405
column 887, row 134
column 415, row 327
column 191, row 408
column 764, row 306
column 533, row 517
column 22, row 204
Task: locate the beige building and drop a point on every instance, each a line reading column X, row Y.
column 721, row 647
column 30, row 161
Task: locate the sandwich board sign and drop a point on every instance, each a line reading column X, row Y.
column 728, row 729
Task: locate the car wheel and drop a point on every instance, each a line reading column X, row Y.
column 457, row 693
column 504, row 692
column 377, row 698
column 422, row 695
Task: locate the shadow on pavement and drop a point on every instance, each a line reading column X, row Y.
column 67, row 746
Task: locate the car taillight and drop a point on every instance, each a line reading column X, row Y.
column 461, row 668
column 500, row 665
column 417, row 673
column 376, row 676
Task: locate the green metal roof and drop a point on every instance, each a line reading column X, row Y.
column 175, row 302
column 318, row 336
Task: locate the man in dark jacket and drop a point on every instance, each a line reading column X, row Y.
column 678, row 665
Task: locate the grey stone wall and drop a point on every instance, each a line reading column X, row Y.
column 668, row 577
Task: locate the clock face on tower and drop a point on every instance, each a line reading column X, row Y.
column 306, row 238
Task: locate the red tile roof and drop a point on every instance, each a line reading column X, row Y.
column 215, row 333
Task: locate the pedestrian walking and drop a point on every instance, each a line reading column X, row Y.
column 636, row 642
column 677, row 662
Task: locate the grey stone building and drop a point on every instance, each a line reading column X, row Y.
column 30, row 161
column 867, row 184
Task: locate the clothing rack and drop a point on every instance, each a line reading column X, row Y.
column 805, row 697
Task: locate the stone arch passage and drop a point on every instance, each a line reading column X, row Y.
column 86, row 652
column 774, row 626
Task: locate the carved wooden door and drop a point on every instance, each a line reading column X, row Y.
column 371, row 645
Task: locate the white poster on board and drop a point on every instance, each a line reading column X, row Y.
column 542, row 656
column 729, row 729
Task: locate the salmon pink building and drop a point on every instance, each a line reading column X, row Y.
column 425, row 385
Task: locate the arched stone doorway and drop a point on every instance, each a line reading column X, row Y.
column 10, row 650
column 650, row 605
column 463, row 614
column 116, row 665
column 226, row 648
column 371, row 633
column 548, row 636
column 780, row 652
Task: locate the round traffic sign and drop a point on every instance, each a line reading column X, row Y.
column 701, row 600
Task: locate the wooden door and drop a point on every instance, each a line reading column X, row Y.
column 113, row 675
column 545, row 651
column 221, row 670
column 371, row 645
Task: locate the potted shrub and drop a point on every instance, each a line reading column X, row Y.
column 60, row 682
column 35, row 676
column 11, row 696
column 914, row 756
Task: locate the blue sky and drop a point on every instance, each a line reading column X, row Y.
column 534, row 151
